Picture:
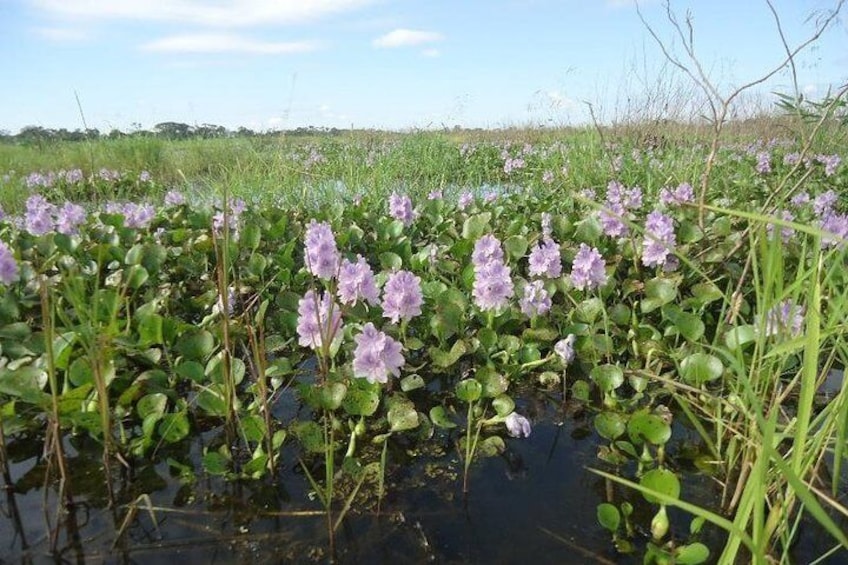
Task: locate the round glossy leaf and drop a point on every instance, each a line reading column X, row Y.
column 692, row 554
column 402, row 416
column 644, row 426
column 739, row 337
column 662, row 481
column 580, row 390
column 151, row 404
column 411, row 382
column 610, row 425
column 503, row 405
column 137, row 276
column 390, row 261
column 197, row 345
column 80, row 371
column 494, row 383
column 469, row 390
column 440, row 418
column 658, row 292
column 174, row 427
column 358, row 402
column 607, row 377
column 332, row 395
column 588, row 310
column 190, row 370
column 699, row 368
column 609, row 516
column 475, row 226
column 491, row 446
column 516, row 246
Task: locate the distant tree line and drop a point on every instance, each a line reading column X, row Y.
column 37, row 135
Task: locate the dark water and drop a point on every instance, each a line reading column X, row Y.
column 536, row 503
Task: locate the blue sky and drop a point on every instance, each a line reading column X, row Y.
column 394, row 64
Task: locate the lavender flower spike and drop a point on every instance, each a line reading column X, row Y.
column 376, row 355
column 536, row 301
column 356, row 282
column 587, row 270
column 402, row 296
column 318, row 320
column 517, row 425
column 322, row 255
column 9, row 270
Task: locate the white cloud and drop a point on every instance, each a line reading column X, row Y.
column 221, row 13
column 60, row 34
column 226, row 43
column 406, row 38
column 431, row 52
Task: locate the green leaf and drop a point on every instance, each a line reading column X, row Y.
column 516, row 246
column 491, row 446
column 359, row 402
column 443, row 359
column 610, row 425
column 440, row 418
column 150, row 330
column 411, row 382
column 646, row 426
column 215, row 463
column 402, row 416
column 469, row 390
column 493, row 382
column 607, row 377
column 692, row 554
column 212, row 401
column 174, row 427
column 151, row 404
column 332, row 395
column 662, row 481
column 190, row 370
column 503, row 405
column 474, row 226
column 699, row 368
column 608, row 516
column 658, row 292
column 80, row 372
column 689, row 325
column 488, row 338
column 390, row 261
column 196, row 345
column 136, row 276
column 310, row 435
column 739, row 337
column 588, row 310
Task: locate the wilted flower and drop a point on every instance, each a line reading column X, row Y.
column 517, row 425
column 322, row 255
column 376, row 355
column 400, row 208
column 9, row 270
column 587, row 270
column 545, row 260
column 536, row 301
column 317, row 320
column 402, row 297
column 356, row 282
column 659, row 239
column 492, row 285
column 69, row 218
column 565, row 348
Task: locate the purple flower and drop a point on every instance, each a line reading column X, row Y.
column 536, row 301
column 785, row 317
column 322, row 255
column 109, row 175
column 435, row 195
column 513, row 165
column 548, row 177
column 492, row 285
column 545, row 260
column 465, row 199
column 402, row 297
column 763, row 162
column 517, row 425
column 486, row 249
column 376, row 355
column 9, row 270
column 565, row 348
column 786, row 233
column 317, row 320
column 824, row 203
column 69, row 218
column 800, row 199
column 683, row 194
column 588, row 194
column 612, row 220
column 174, row 198
column 632, row 198
column 587, row 270
column 791, row 159
column 73, row 176
column 38, row 219
column 547, row 227
column 659, row 239
column 356, row 282
column 400, row 208
column 830, row 162
column 144, row 176
column 836, row 228
column 138, row 216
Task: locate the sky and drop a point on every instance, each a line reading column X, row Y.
column 386, row 64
